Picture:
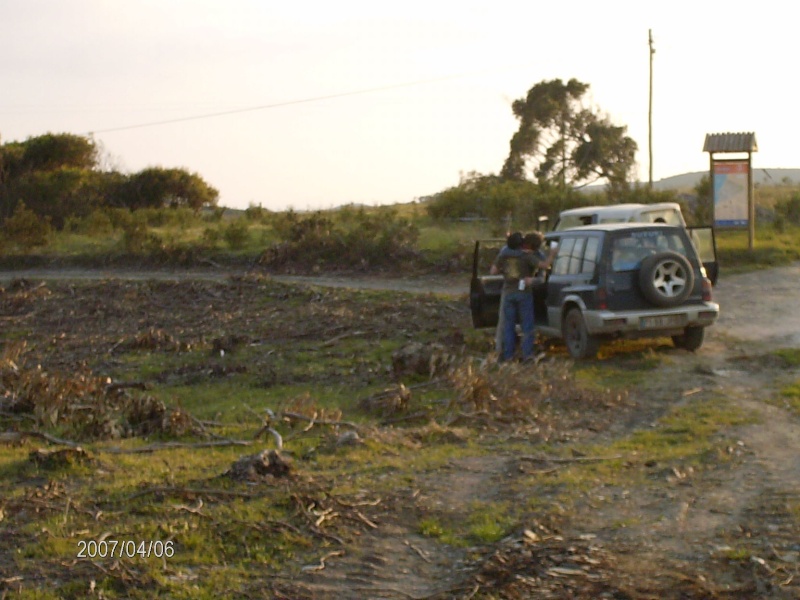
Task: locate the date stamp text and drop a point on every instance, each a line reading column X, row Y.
column 92, row 549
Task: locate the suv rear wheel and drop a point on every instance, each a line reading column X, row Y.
column 579, row 343
column 691, row 339
column 666, row 279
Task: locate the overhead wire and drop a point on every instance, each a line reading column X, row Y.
column 276, row 104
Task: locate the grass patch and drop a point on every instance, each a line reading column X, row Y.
column 688, row 431
column 490, row 522
column 624, row 364
column 771, row 249
column 789, row 398
column 789, row 356
column 693, row 434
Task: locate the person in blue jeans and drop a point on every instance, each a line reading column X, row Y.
column 519, row 261
column 517, row 267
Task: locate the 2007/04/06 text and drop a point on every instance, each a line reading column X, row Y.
column 125, row 549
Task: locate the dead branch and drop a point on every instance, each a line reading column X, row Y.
column 361, row 517
column 423, row 414
column 342, row 336
column 16, row 436
column 298, row 417
column 176, row 445
column 195, row 510
column 355, row 504
column 266, row 426
column 322, row 560
column 276, row 436
column 575, row 459
column 420, row 553
column 174, row 490
column 17, row 416
column 122, row 385
column 390, row 392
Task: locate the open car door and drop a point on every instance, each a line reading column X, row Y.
column 485, row 289
column 706, row 245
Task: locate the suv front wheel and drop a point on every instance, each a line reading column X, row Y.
column 578, row 340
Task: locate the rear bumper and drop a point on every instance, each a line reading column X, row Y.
column 665, row 321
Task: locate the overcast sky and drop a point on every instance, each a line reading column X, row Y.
column 314, row 104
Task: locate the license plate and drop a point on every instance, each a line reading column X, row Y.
column 662, row 322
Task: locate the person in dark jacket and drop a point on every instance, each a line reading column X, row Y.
column 517, row 267
column 519, row 261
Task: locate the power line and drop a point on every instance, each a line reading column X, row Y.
column 278, row 104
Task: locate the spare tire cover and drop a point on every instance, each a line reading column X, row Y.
column 666, row 279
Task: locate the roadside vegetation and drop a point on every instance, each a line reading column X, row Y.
column 423, row 236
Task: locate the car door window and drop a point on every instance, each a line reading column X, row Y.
column 703, row 239
column 564, row 255
column 576, row 256
column 590, row 255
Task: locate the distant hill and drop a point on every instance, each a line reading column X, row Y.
column 687, row 181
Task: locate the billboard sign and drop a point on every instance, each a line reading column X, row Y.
column 731, row 179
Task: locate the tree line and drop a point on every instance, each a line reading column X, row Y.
column 58, row 176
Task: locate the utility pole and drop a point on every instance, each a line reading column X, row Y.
column 650, row 107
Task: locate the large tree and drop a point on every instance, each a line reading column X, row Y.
column 562, row 142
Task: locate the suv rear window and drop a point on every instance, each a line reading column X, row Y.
column 577, row 255
column 631, row 248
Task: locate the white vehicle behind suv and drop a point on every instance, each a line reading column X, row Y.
column 662, row 212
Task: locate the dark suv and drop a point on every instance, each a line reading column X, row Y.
column 610, row 281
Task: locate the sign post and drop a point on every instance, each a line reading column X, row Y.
column 732, row 182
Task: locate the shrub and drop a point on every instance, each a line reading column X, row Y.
column 788, row 209
column 27, row 229
column 96, row 223
column 211, row 236
column 235, row 234
column 136, row 238
column 357, row 239
column 257, row 214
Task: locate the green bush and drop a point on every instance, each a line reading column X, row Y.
column 211, row 237
column 356, row 239
column 504, row 203
column 137, row 239
column 788, row 209
column 257, row 214
column 27, row 229
column 97, row 223
column 236, row 234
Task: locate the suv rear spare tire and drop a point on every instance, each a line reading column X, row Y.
column 666, row 279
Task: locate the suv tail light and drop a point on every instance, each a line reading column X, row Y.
column 602, row 299
column 707, row 287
